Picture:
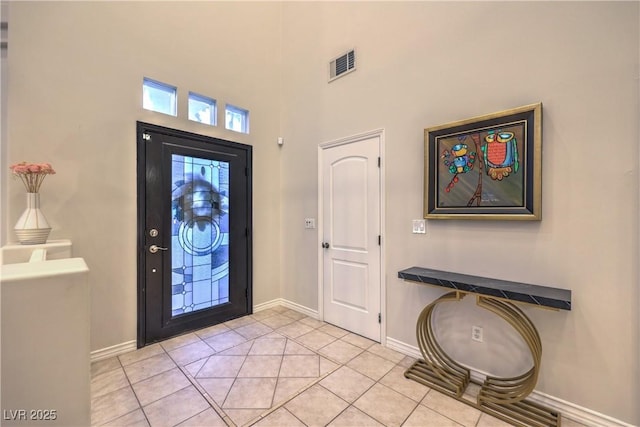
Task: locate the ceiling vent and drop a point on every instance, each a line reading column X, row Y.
column 344, row 64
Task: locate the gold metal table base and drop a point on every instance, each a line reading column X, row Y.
column 503, row 398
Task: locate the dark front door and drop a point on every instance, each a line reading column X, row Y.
column 194, row 232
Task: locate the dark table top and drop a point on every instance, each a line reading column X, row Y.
column 544, row 296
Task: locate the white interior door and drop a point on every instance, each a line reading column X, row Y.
column 351, row 217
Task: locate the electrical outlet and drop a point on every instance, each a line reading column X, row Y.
column 476, row 333
column 309, row 223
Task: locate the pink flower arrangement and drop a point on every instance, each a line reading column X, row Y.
column 32, row 174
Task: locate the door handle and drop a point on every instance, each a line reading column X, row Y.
column 325, row 245
column 155, row 248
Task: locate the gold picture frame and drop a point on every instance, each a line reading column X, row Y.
column 487, row 167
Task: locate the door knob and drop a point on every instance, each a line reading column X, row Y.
column 325, row 245
column 155, row 248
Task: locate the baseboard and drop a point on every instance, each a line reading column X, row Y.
column 114, row 350
column 300, row 308
column 577, row 413
column 568, row 410
column 286, row 303
column 404, row 348
column 267, row 305
column 118, row 349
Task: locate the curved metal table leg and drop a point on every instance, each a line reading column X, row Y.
column 503, row 398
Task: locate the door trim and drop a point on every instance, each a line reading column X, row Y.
column 141, row 215
column 383, row 287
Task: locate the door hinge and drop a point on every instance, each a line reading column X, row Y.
column 246, row 171
column 379, row 161
column 379, row 317
column 379, row 240
column 146, row 136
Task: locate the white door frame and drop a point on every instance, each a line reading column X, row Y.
column 383, row 288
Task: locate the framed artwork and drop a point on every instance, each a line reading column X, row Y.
column 487, row 167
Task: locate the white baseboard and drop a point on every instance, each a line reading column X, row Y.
column 286, row 303
column 125, row 347
column 575, row 412
column 568, row 410
column 267, row 305
column 404, row 348
column 300, row 308
column 114, row 350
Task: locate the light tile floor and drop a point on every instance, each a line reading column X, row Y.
column 273, row 368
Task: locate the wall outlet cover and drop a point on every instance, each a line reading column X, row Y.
column 419, row 226
column 476, row 333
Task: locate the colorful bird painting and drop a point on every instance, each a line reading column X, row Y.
column 500, row 153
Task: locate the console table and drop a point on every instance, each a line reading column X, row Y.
column 504, row 398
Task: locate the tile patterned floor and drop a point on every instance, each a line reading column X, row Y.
column 273, row 368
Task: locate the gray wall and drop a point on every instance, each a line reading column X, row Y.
column 421, row 64
column 75, row 93
column 4, row 17
column 74, row 96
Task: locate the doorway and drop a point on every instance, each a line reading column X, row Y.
column 351, row 209
column 194, row 231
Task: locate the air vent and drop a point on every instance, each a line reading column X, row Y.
column 342, row 65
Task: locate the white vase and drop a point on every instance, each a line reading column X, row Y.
column 32, row 228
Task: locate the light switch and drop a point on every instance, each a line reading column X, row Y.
column 419, row 226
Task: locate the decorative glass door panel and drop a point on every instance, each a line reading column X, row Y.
column 194, row 221
column 199, row 233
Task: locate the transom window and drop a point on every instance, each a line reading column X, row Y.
column 236, row 119
column 202, row 109
column 163, row 98
column 159, row 97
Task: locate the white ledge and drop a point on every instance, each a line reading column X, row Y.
column 42, row 269
column 14, row 253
